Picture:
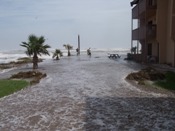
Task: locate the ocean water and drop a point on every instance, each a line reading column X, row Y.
column 13, row 55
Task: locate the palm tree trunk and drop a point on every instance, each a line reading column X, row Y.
column 68, row 52
column 35, row 61
column 57, row 58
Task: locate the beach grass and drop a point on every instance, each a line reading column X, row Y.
column 8, row 87
column 25, row 59
column 169, row 82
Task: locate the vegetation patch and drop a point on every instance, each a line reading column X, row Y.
column 19, row 81
column 5, row 66
column 160, row 79
column 27, row 60
column 8, row 87
column 33, row 76
column 169, row 82
column 146, row 74
column 20, row 61
column 24, row 60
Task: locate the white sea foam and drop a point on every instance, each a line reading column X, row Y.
column 7, row 57
column 6, row 70
column 13, row 55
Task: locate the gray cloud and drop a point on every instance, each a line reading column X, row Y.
column 100, row 23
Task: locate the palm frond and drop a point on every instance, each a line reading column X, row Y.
column 68, row 47
column 41, row 39
column 57, row 53
column 35, row 45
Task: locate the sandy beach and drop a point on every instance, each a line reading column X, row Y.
column 82, row 93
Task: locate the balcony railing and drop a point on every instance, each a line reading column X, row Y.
column 135, row 12
column 143, row 6
column 139, row 33
column 144, row 32
column 135, row 34
column 151, row 4
column 139, row 9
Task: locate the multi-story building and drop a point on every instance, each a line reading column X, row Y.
column 153, row 30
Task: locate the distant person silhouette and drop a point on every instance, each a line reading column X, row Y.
column 89, row 51
column 77, row 50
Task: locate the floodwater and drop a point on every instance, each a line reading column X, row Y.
column 82, row 93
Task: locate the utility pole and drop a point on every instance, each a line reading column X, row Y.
column 78, row 44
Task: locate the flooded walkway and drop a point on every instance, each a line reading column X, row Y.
column 86, row 94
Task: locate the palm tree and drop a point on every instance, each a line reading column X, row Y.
column 68, row 48
column 35, row 46
column 57, row 54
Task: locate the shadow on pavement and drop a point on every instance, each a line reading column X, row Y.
column 112, row 114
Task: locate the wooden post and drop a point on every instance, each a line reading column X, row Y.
column 78, row 44
column 131, row 33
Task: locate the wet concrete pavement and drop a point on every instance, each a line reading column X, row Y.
column 85, row 94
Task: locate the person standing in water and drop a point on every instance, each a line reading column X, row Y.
column 89, row 51
column 77, row 50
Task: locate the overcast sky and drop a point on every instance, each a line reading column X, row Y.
column 100, row 23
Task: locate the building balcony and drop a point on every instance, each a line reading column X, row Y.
column 144, row 7
column 139, row 33
column 135, row 12
column 151, row 31
column 144, row 32
column 139, row 9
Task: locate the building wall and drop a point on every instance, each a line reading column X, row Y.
column 162, row 12
column 173, row 27
column 163, row 46
column 170, row 43
column 173, row 21
column 165, row 29
column 155, row 49
column 153, row 42
column 173, row 7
